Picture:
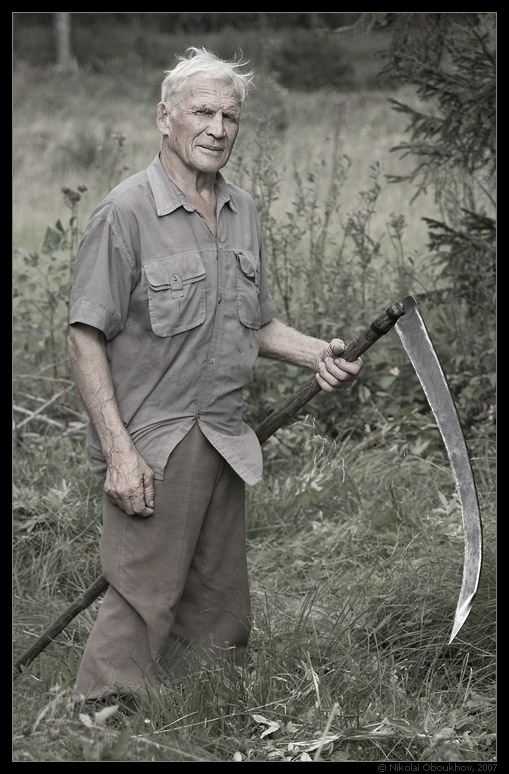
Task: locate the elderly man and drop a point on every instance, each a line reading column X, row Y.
column 170, row 308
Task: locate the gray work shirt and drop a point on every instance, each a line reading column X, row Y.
column 181, row 312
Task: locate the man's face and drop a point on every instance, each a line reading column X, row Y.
column 202, row 134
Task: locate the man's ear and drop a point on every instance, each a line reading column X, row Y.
column 163, row 117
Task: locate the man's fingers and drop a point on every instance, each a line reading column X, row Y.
column 332, row 378
column 127, row 506
column 140, row 509
column 336, row 373
column 336, row 347
column 352, row 367
column 139, row 502
column 129, row 483
column 142, row 502
column 124, row 503
column 149, row 492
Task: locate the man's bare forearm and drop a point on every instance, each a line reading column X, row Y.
column 280, row 342
column 93, row 380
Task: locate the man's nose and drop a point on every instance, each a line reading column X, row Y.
column 216, row 125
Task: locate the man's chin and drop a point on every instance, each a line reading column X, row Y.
column 212, row 161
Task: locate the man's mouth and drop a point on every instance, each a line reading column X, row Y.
column 212, row 148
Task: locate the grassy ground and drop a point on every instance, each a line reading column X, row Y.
column 355, row 555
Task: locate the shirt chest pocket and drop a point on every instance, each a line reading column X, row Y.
column 248, row 288
column 176, row 293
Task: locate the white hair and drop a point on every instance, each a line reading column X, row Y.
column 199, row 61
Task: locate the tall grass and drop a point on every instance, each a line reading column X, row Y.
column 355, row 557
column 70, row 140
column 354, row 536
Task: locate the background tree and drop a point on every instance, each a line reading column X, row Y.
column 67, row 62
column 450, row 59
column 454, row 143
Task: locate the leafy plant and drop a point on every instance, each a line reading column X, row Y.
column 42, row 291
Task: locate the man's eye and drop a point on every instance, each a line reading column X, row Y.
column 232, row 117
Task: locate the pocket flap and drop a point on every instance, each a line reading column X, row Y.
column 247, row 265
column 181, row 269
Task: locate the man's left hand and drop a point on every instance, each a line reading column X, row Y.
column 333, row 371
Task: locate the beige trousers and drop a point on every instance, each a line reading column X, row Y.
column 178, row 579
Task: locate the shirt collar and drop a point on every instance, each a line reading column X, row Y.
column 168, row 196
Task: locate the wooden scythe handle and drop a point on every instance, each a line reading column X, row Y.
column 80, row 603
column 355, row 349
column 268, row 427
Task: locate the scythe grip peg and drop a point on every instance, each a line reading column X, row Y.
column 379, row 327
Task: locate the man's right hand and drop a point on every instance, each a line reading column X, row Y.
column 129, row 480
column 130, row 484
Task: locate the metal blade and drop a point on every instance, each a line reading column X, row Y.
column 416, row 340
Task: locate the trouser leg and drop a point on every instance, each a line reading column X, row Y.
column 213, row 616
column 170, row 572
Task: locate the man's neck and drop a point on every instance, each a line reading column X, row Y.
column 199, row 188
column 190, row 181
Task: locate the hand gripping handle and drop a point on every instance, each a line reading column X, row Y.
column 378, row 328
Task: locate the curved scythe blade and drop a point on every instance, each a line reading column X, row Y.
column 416, row 340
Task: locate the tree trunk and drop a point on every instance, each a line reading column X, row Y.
column 67, row 63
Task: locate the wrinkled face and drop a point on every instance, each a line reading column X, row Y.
column 202, row 131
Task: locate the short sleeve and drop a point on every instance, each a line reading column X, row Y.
column 104, row 277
